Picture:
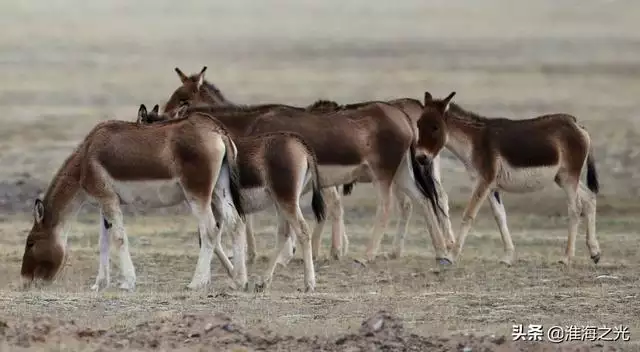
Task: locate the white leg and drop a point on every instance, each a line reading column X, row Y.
column 443, row 201
column 574, row 220
column 252, row 252
column 588, row 202
column 115, row 224
column 480, row 192
column 239, row 258
column 280, row 248
column 406, row 183
column 219, row 251
column 382, row 219
column 499, row 213
column 202, row 274
column 406, row 209
column 104, row 276
column 284, row 233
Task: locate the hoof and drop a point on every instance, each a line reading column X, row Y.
column 444, row 261
column 260, row 287
column 596, row 258
column 125, row 286
column 335, row 254
column 564, row 261
column 505, row 261
column 309, row 289
column 100, row 285
column 196, row 286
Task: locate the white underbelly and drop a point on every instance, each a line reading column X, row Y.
column 150, row 194
column 255, row 199
column 524, row 180
column 334, row 175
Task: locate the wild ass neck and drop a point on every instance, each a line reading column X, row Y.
column 64, row 196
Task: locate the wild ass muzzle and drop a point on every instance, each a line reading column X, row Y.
column 518, row 156
column 277, row 168
column 196, row 90
column 121, row 162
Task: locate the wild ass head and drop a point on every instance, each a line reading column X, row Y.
column 43, row 253
column 432, row 133
column 194, row 89
column 145, row 117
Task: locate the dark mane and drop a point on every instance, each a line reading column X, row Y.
column 233, row 110
column 475, row 119
column 467, row 116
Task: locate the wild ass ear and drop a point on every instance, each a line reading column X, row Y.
column 38, row 211
column 155, row 109
column 427, row 97
column 447, row 101
column 182, row 76
column 142, row 114
column 201, row 77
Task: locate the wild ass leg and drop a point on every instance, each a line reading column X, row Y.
column 300, row 227
column 480, row 192
column 443, row 201
column 202, row 274
column 405, row 181
column 406, row 208
column 339, row 240
column 239, row 259
column 588, row 201
column 115, row 226
column 251, row 240
column 281, row 242
column 382, row 218
column 104, row 276
column 285, row 233
column 497, row 207
column 570, row 187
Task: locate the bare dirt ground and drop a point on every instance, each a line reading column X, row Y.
column 68, row 64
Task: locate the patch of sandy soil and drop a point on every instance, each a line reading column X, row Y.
column 380, row 332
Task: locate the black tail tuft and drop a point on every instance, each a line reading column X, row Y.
column 347, row 188
column 425, row 181
column 234, row 188
column 592, row 175
column 317, row 204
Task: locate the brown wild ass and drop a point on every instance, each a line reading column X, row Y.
column 276, row 167
column 196, row 91
column 413, row 108
column 192, row 93
column 123, row 162
column 519, row 156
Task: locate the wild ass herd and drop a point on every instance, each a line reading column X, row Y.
column 229, row 161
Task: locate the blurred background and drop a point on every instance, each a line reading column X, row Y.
column 65, row 65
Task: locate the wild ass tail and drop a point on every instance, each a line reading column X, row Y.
column 231, row 158
column 347, row 188
column 425, row 181
column 317, row 201
column 592, row 174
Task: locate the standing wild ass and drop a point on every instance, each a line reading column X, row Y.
column 274, row 168
column 519, row 156
column 123, row 162
column 195, row 90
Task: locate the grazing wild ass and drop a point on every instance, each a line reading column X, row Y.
column 124, row 162
column 195, row 90
column 276, row 168
column 519, row 156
